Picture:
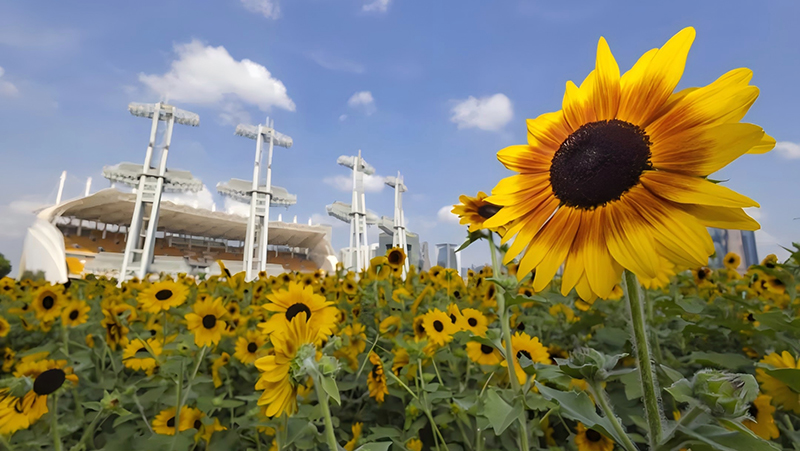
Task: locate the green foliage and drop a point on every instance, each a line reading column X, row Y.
column 5, row 266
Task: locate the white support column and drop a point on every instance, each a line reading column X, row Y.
column 251, row 219
column 262, row 261
column 88, row 187
column 152, row 223
column 61, row 182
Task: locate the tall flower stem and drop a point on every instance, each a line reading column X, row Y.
column 509, row 351
column 644, row 358
column 330, row 437
column 54, row 423
column 602, row 399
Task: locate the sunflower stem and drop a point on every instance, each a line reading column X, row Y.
column 509, row 352
column 330, row 436
column 602, row 399
column 644, row 359
column 178, row 408
column 54, row 423
column 651, row 327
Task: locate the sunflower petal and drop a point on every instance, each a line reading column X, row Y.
column 605, row 91
column 686, row 189
column 548, row 131
column 722, row 217
column 602, row 271
column 650, row 83
column 629, row 239
column 526, row 158
column 576, row 106
column 558, row 251
column 557, row 234
column 766, row 144
column 532, row 224
column 702, row 151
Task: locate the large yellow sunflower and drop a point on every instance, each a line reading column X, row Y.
column 616, row 179
column 762, row 422
column 75, row 313
column 438, row 327
column 162, row 296
column 396, row 257
column 591, row 440
column 279, row 388
column 48, row 301
column 248, row 347
column 136, row 356
column 782, row 395
column 483, row 354
column 523, row 344
column 206, row 322
column 296, row 299
column 474, row 211
column 376, row 379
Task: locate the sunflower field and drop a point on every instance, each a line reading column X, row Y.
column 598, row 325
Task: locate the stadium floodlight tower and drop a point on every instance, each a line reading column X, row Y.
column 359, row 244
column 255, row 246
column 399, row 229
column 144, row 223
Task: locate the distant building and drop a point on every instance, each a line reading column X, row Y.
column 425, row 259
column 741, row 242
column 412, row 247
column 447, row 257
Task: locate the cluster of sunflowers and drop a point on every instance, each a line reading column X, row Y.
column 598, row 327
column 414, row 362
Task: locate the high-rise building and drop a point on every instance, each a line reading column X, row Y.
column 447, row 257
column 741, row 242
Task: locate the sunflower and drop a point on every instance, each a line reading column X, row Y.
column 137, row 356
column 474, row 321
column 762, row 422
column 75, row 313
column 523, row 345
column 474, row 211
column 5, row 328
column 376, row 380
column 48, row 302
column 396, row 257
column 732, row 260
column 191, row 418
column 164, row 422
column 379, row 268
column 351, row 444
column 414, row 444
column 591, row 440
column 206, row 431
column 439, row 327
column 248, row 347
column 559, row 308
column 349, row 286
column 296, row 299
column 617, row 178
column 162, row 296
column 8, row 359
column 206, row 322
column 483, row 354
column 390, row 326
column 218, row 363
column 19, row 413
column 782, row 395
column 419, row 328
column 279, row 388
column 116, row 332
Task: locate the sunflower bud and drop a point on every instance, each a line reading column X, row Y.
column 727, row 395
column 589, row 364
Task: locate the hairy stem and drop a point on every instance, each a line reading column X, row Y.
column 330, row 437
column 602, row 399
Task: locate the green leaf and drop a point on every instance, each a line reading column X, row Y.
column 579, row 407
column 728, row 360
column 124, row 419
column 383, row 432
column 471, row 238
column 329, row 385
column 682, row 391
column 500, row 413
column 691, row 304
column 722, row 439
column 777, row 321
column 633, row 387
column 377, row 446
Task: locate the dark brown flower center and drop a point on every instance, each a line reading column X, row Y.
column 209, row 321
column 486, row 349
column 453, row 318
column 171, row 422
column 753, row 411
column 48, row 302
column 525, row 353
column 295, row 309
column 252, row 348
column 472, row 322
column 141, row 351
column 49, row 381
column 395, row 257
column 438, row 326
column 488, row 210
column 73, row 315
column 197, row 424
column 163, row 295
column 598, row 163
column 593, row 435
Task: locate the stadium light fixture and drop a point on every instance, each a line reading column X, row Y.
column 399, row 229
column 357, row 258
column 257, row 235
column 141, row 240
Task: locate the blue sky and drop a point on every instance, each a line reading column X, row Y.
column 431, row 89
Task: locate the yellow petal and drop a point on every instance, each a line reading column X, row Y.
column 605, row 92
column 686, row 189
column 584, row 289
column 703, row 151
column 573, row 267
column 548, row 131
column 533, row 223
column 558, row 250
column 630, row 239
column 550, row 235
column 766, row 144
column 651, row 81
column 526, row 158
column 602, row 271
column 576, row 106
column 722, row 217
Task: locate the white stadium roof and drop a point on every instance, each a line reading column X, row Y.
column 115, row 207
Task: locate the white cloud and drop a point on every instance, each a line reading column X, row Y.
column 235, row 207
column 268, row 8
column 338, row 64
column 378, row 6
column 362, row 100
column 444, row 215
column 318, row 218
column 372, row 183
column 201, row 199
column 17, row 216
column 207, row 75
column 487, row 113
column 343, row 118
column 788, row 150
column 234, row 114
column 6, row 87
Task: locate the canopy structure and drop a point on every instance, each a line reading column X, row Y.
column 110, row 206
column 174, row 180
